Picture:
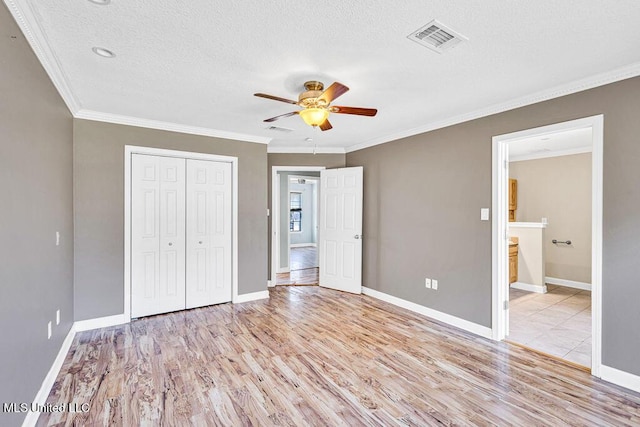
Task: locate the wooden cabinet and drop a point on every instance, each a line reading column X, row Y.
column 513, row 263
column 513, row 199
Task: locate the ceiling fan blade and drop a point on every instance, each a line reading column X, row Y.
column 332, row 92
column 275, row 98
column 326, row 125
column 273, row 119
column 354, row 110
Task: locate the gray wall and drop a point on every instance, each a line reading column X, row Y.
column 36, row 277
column 423, row 196
column 99, row 209
column 329, row 161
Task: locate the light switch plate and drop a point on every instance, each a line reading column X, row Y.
column 484, row 214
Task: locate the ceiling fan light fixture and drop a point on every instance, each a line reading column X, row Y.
column 314, row 116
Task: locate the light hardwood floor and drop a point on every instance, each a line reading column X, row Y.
column 304, row 268
column 313, row 356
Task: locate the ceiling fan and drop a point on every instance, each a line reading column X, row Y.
column 315, row 103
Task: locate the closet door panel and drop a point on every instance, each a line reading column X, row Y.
column 157, row 234
column 208, row 233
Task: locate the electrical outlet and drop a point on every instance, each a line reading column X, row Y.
column 427, row 283
column 49, row 330
column 57, row 316
column 434, row 284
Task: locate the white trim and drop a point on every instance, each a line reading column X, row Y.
column 306, row 150
column 457, row 322
column 539, row 289
column 568, row 283
column 251, row 297
column 168, row 126
column 500, row 155
column 527, row 225
column 499, row 241
column 131, row 149
column 26, row 20
column 597, row 166
column 270, row 284
column 303, row 245
column 602, row 79
column 548, row 154
column 41, row 397
column 621, row 378
column 100, row 322
column 275, row 213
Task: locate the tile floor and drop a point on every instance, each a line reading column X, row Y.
column 557, row 323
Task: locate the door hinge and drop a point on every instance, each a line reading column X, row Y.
column 506, row 305
column 506, row 164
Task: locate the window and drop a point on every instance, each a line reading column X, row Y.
column 295, row 211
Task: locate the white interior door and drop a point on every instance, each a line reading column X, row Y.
column 209, row 236
column 157, row 234
column 341, row 229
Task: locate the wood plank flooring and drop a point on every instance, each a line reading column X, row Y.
column 304, row 268
column 313, row 356
column 308, row 276
column 303, row 257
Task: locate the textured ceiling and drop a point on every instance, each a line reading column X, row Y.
column 197, row 63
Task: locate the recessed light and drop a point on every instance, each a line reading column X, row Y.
column 101, row 2
column 106, row 53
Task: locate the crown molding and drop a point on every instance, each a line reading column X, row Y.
column 306, row 150
column 601, row 79
column 26, row 20
column 168, row 126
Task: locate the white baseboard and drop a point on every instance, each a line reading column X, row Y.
column 283, row 270
column 541, row 289
column 270, row 284
column 251, row 297
column 100, row 322
column 474, row 328
column 621, row 378
column 41, row 397
column 568, row 283
column 303, row 245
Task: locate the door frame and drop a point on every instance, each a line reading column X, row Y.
column 129, row 150
column 275, row 212
column 499, row 236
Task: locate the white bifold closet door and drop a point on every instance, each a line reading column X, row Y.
column 180, row 234
column 157, row 234
column 208, row 233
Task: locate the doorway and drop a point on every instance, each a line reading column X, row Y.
column 295, row 225
column 503, row 302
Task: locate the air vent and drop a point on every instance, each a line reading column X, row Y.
column 279, row 129
column 436, row 36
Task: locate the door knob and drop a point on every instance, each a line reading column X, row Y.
column 170, row 244
column 200, row 242
column 357, row 236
